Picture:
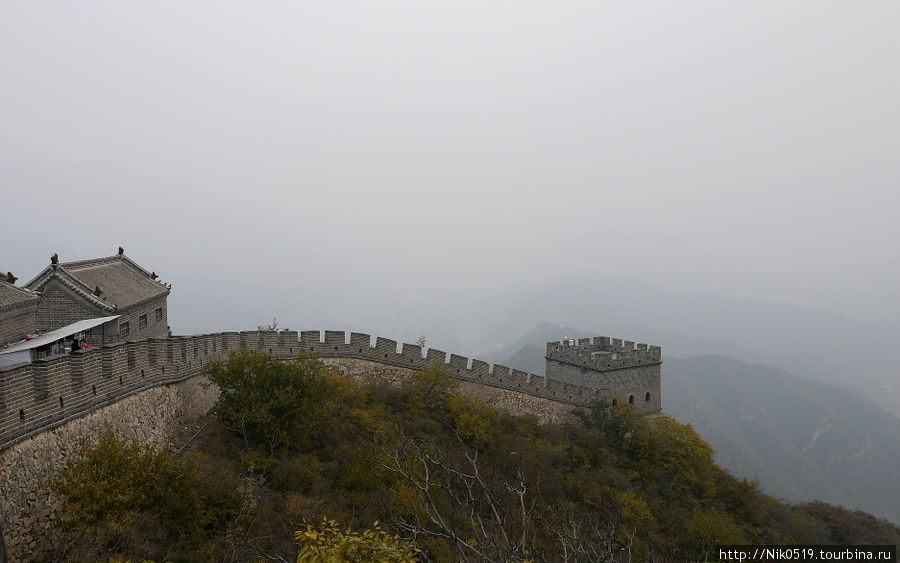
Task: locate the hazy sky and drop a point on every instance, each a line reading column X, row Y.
column 386, row 149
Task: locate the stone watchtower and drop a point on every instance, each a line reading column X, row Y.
column 619, row 370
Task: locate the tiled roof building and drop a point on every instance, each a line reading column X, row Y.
column 18, row 309
column 115, row 285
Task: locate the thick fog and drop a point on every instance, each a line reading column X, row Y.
column 335, row 164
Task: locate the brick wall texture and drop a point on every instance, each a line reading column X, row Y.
column 16, row 323
column 60, row 306
column 620, row 371
column 28, row 508
column 142, row 388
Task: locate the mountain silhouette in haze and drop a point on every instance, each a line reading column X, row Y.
column 802, row 439
column 814, row 344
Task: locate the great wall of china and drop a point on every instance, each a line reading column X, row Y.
column 142, row 389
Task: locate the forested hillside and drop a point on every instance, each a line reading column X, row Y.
column 800, row 438
column 418, row 473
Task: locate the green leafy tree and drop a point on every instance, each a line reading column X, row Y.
column 615, row 423
column 475, row 421
column 273, row 404
column 433, row 385
column 637, row 518
column 709, row 528
column 668, row 452
column 107, row 482
column 122, row 498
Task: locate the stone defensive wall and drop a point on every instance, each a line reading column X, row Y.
column 614, row 353
column 142, row 389
column 336, row 344
column 617, row 369
column 162, row 415
column 148, row 389
column 47, row 393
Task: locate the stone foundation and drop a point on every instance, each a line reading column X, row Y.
column 512, row 402
column 27, row 507
column 39, row 446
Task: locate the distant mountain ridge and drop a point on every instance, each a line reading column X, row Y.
column 527, row 353
column 815, row 344
column 802, row 439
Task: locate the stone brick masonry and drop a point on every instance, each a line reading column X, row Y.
column 545, row 410
column 142, row 388
column 60, row 307
column 15, row 324
column 27, row 506
column 619, row 370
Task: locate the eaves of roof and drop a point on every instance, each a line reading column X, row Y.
column 65, row 278
column 123, row 283
column 23, row 297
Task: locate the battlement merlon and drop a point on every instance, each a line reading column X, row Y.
column 616, row 370
column 603, row 353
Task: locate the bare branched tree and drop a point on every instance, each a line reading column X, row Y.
column 485, row 518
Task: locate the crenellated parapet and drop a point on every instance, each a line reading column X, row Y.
column 603, row 353
column 619, row 370
column 46, row 393
column 38, row 396
column 338, row 344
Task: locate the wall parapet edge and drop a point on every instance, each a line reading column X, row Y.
column 335, row 344
column 602, row 353
column 40, row 396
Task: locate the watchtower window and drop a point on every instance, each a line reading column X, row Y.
column 123, row 328
column 615, row 402
column 647, row 397
column 142, row 321
column 159, row 314
column 631, row 399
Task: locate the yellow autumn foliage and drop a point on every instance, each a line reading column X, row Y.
column 329, row 543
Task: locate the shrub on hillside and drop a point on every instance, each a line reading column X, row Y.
column 329, row 543
column 277, row 405
column 121, row 497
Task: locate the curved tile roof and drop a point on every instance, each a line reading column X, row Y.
column 122, row 282
column 13, row 296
